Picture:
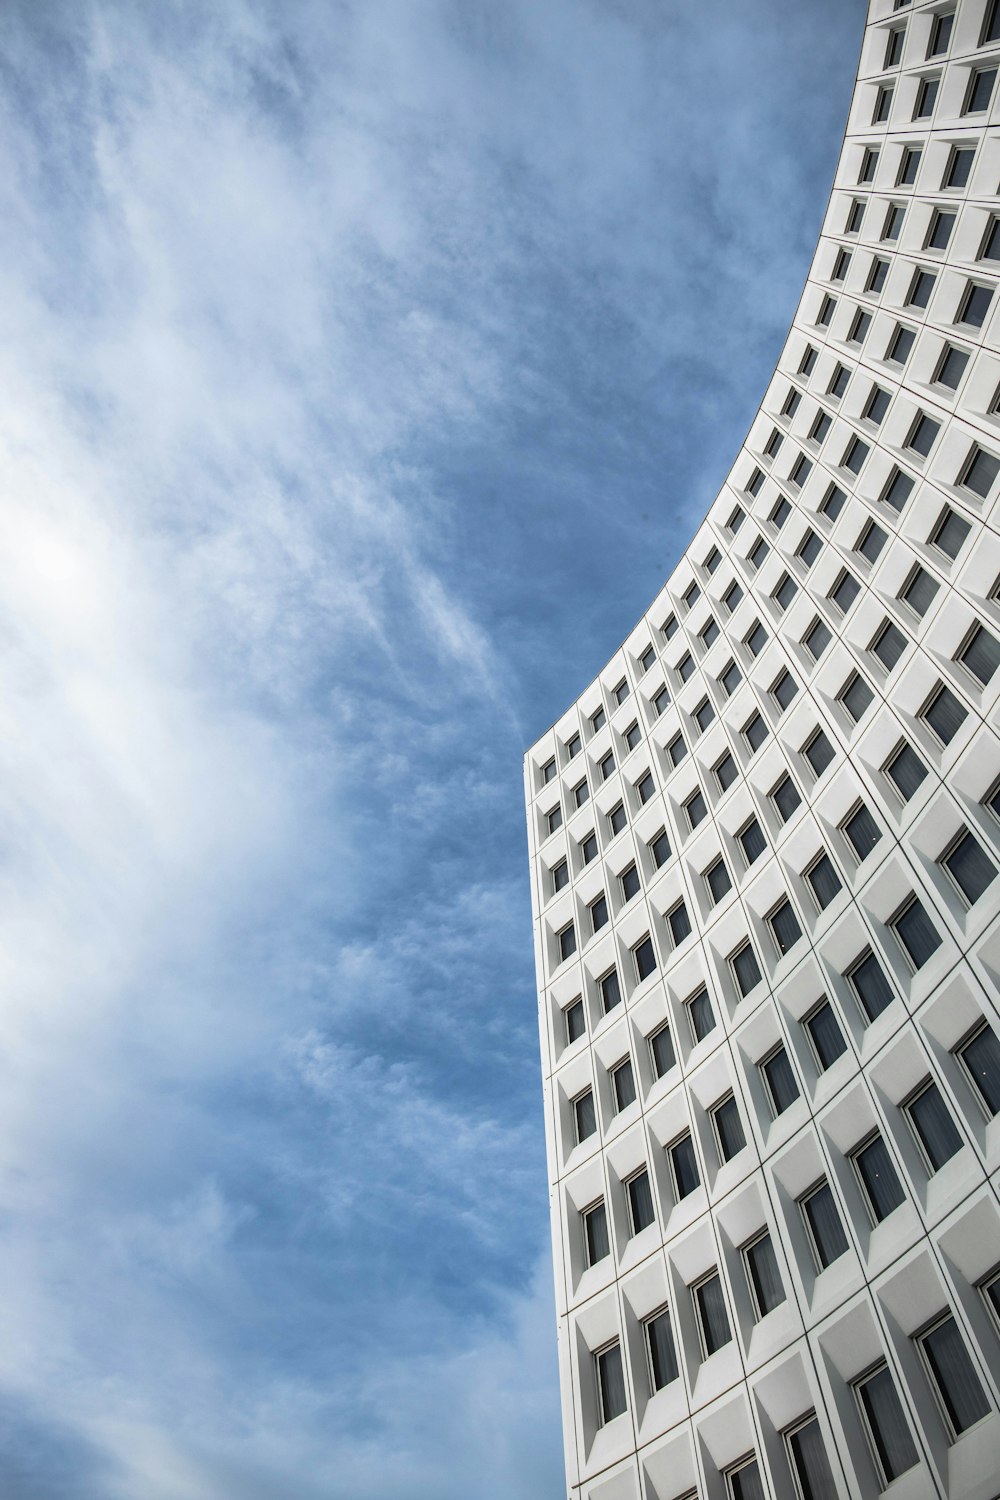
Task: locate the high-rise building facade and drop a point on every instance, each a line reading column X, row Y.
column 765, row 852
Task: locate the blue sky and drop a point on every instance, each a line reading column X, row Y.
column 366, row 365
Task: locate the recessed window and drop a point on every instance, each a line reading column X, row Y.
column 621, row 692
column 974, row 306
column 954, row 1375
column 893, row 222
column 647, row 659
column 731, row 679
column 922, row 435
column 607, row 766
column 726, row 772
column 629, row 881
column 779, row 1076
column 737, row 518
column 859, row 328
column 920, row 289
column 660, row 1351
column 553, row 819
column 862, row 831
column 573, row 745
column 611, row 991
column 991, row 244
column 709, row 632
column 640, row 1202
column 959, row 167
column 809, row 548
column 754, row 483
column 824, row 881
column 878, row 1178
column 883, row 104
column 756, row 640
column 944, row 714
column 871, row 541
column 683, row 1166
column 792, row 402
column 691, row 595
column 941, row 34
column 758, row 552
column 779, row 515
column 970, row 867
column 818, row 752
column 807, row 1455
column 981, row 654
column 685, row 667
column 977, row 100
column 826, row 1232
column 950, row 533
column 784, row 927
column 669, row 627
column 679, row 923
column 585, row 1115
column 677, row 749
column 576, row 1023
column 951, row 367
column 939, row 233
column 808, row 361
column 919, row 591
column 773, row 445
column 980, row 1055
column 598, row 720
column 841, row 380
column 816, row 639
column 595, row 1233
column 906, row 771
column 695, row 808
column 746, row 969
column 645, row 958
column 991, row 24
column 588, row 848
column 744, row 1482
column 549, row 771
column 713, row 1319
column 856, row 695
column 823, row 1030
column 560, row 875
column 661, row 1050
column 845, row 591
column 888, row 645
column 763, row 1275
column 869, row 162
column 701, row 1014
column 842, row 264
column 755, row 732
column 908, row 164
column 900, row 345
column 659, row 848
column 867, row 980
column 891, row 1440
column 718, row 881
column 728, row 1128
column 784, row 689
column 661, row 702
column 704, row 714
column 833, row 502
column 933, row 1126
column 732, row 596
column 894, row 46
column 610, row 1383
column 644, row 787
column 877, row 404
column 617, row 819
column 800, row 471
column 926, row 98
column 786, row 798
column 567, row 942
column 785, row 592
column 599, row 912
column 581, row 793
column 877, row 275
column 752, row 841
column 633, row 735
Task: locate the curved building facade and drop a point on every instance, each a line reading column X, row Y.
column 765, row 853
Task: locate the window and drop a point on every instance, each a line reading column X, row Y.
column 598, row 720
column 951, row 367
column 792, row 402
column 883, row 104
column 919, row 591
column 610, row 1383
column 826, row 1232
column 809, row 1462
column 950, row 533
column 585, row 1114
column 695, row 808
column 800, row 471
column 621, row 692
column 980, row 1055
column 785, row 592
column 894, row 46
column 869, row 162
column 889, row 1436
column 731, row 679
column 581, row 793
column 701, row 1014
column 745, row 1482
column 573, row 745
column 611, row 991
column 553, row 819
column 683, row 1166
column 893, row 222
column 758, row 552
column 629, row 880
column 679, row 923
column 607, row 766
column 856, row 695
column 756, row 640
column 818, row 751
column 953, row 1375
column 726, row 772
column 933, row 1126
column 669, row 627
column 862, row 831
column 784, row 927
column 977, row 101
column 940, row 229
column 710, row 1305
column 920, row 289
column 779, row 515
column 969, row 866
column 575, row 1023
column 644, row 787
column 704, row 714
column 754, row 483
column 685, row 667
column 647, row 659
column 588, row 848
column 827, row 308
column 991, row 24
column 888, row 645
column 709, row 632
column 660, row 1350
column 871, row 541
column 944, row 714
column 877, row 274
column 833, row 502
column 981, row 654
column 599, row 912
column 900, row 345
column 824, row 881
column 633, row 735
column 841, row 380
column 845, row 591
column 737, row 518
column 640, row 1202
column 763, row 1275
column 595, row 1233
column 906, row 771
column 922, row 435
column 752, row 841
column 755, row 732
column 718, row 881
column 823, row 1031
column 560, row 875
column 868, row 981
column 877, row 1176
column 991, row 244
column 780, row 1080
column 732, row 596
column 926, row 98
column 979, row 473
column 549, row 771
column 784, row 689
column 645, row 958
column 877, row 404
column 728, row 1128
column 809, row 548
column 746, row 969
column 617, row 819
column 859, row 327
column 661, row 1050
column 661, row 702
column 941, row 34
column 677, row 749
column 786, row 798
column 842, row 264
column 567, row 942
column 959, row 167
column 974, row 306
column 659, row 848
column 691, row 595
column 909, row 162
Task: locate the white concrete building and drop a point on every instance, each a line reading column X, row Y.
column 764, row 849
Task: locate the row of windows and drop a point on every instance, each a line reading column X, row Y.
column 976, row 100
column 939, row 38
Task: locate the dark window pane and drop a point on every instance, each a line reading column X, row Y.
column 824, row 880
column 980, row 473
column 952, row 368
column 935, row 1127
column 786, row 797
column 887, row 1424
column 611, row 991
column 702, row 1015
column 730, row 1129
column 712, row 1313
column 756, row 732
column 589, row 847
column 812, row 1467
column 640, row 1201
column 660, row 849
column 920, row 591
column 856, row 697
column 645, row 959
column 598, row 1243
column 981, row 654
column 819, row 753
column 685, row 1166
column 871, row 986
column 746, row 1483
column 752, row 841
column 827, row 1231
column 623, row 1080
column 970, row 867
column 586, row 1115
column 726, row 772
column 906, row 770
column 863, row 832
column 889, row 646
column 917, row 934
column 746, row 970
column 780, row 1079
column 878, row 1175
column 718, row 880
column 662, row 1355
column 599, row 913
column 785, row 689
column 945, row 715
column 845, row 592
column 696, row 809
column 661, row 1047
column 680, row 923
column 630, row 883
column 955, row 1375
column 611, row 1383
column 827, row 1037
column 575, row 1023
column 785, row 927
column 567, row 942
column 765, row 1278
column 981, row 1056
